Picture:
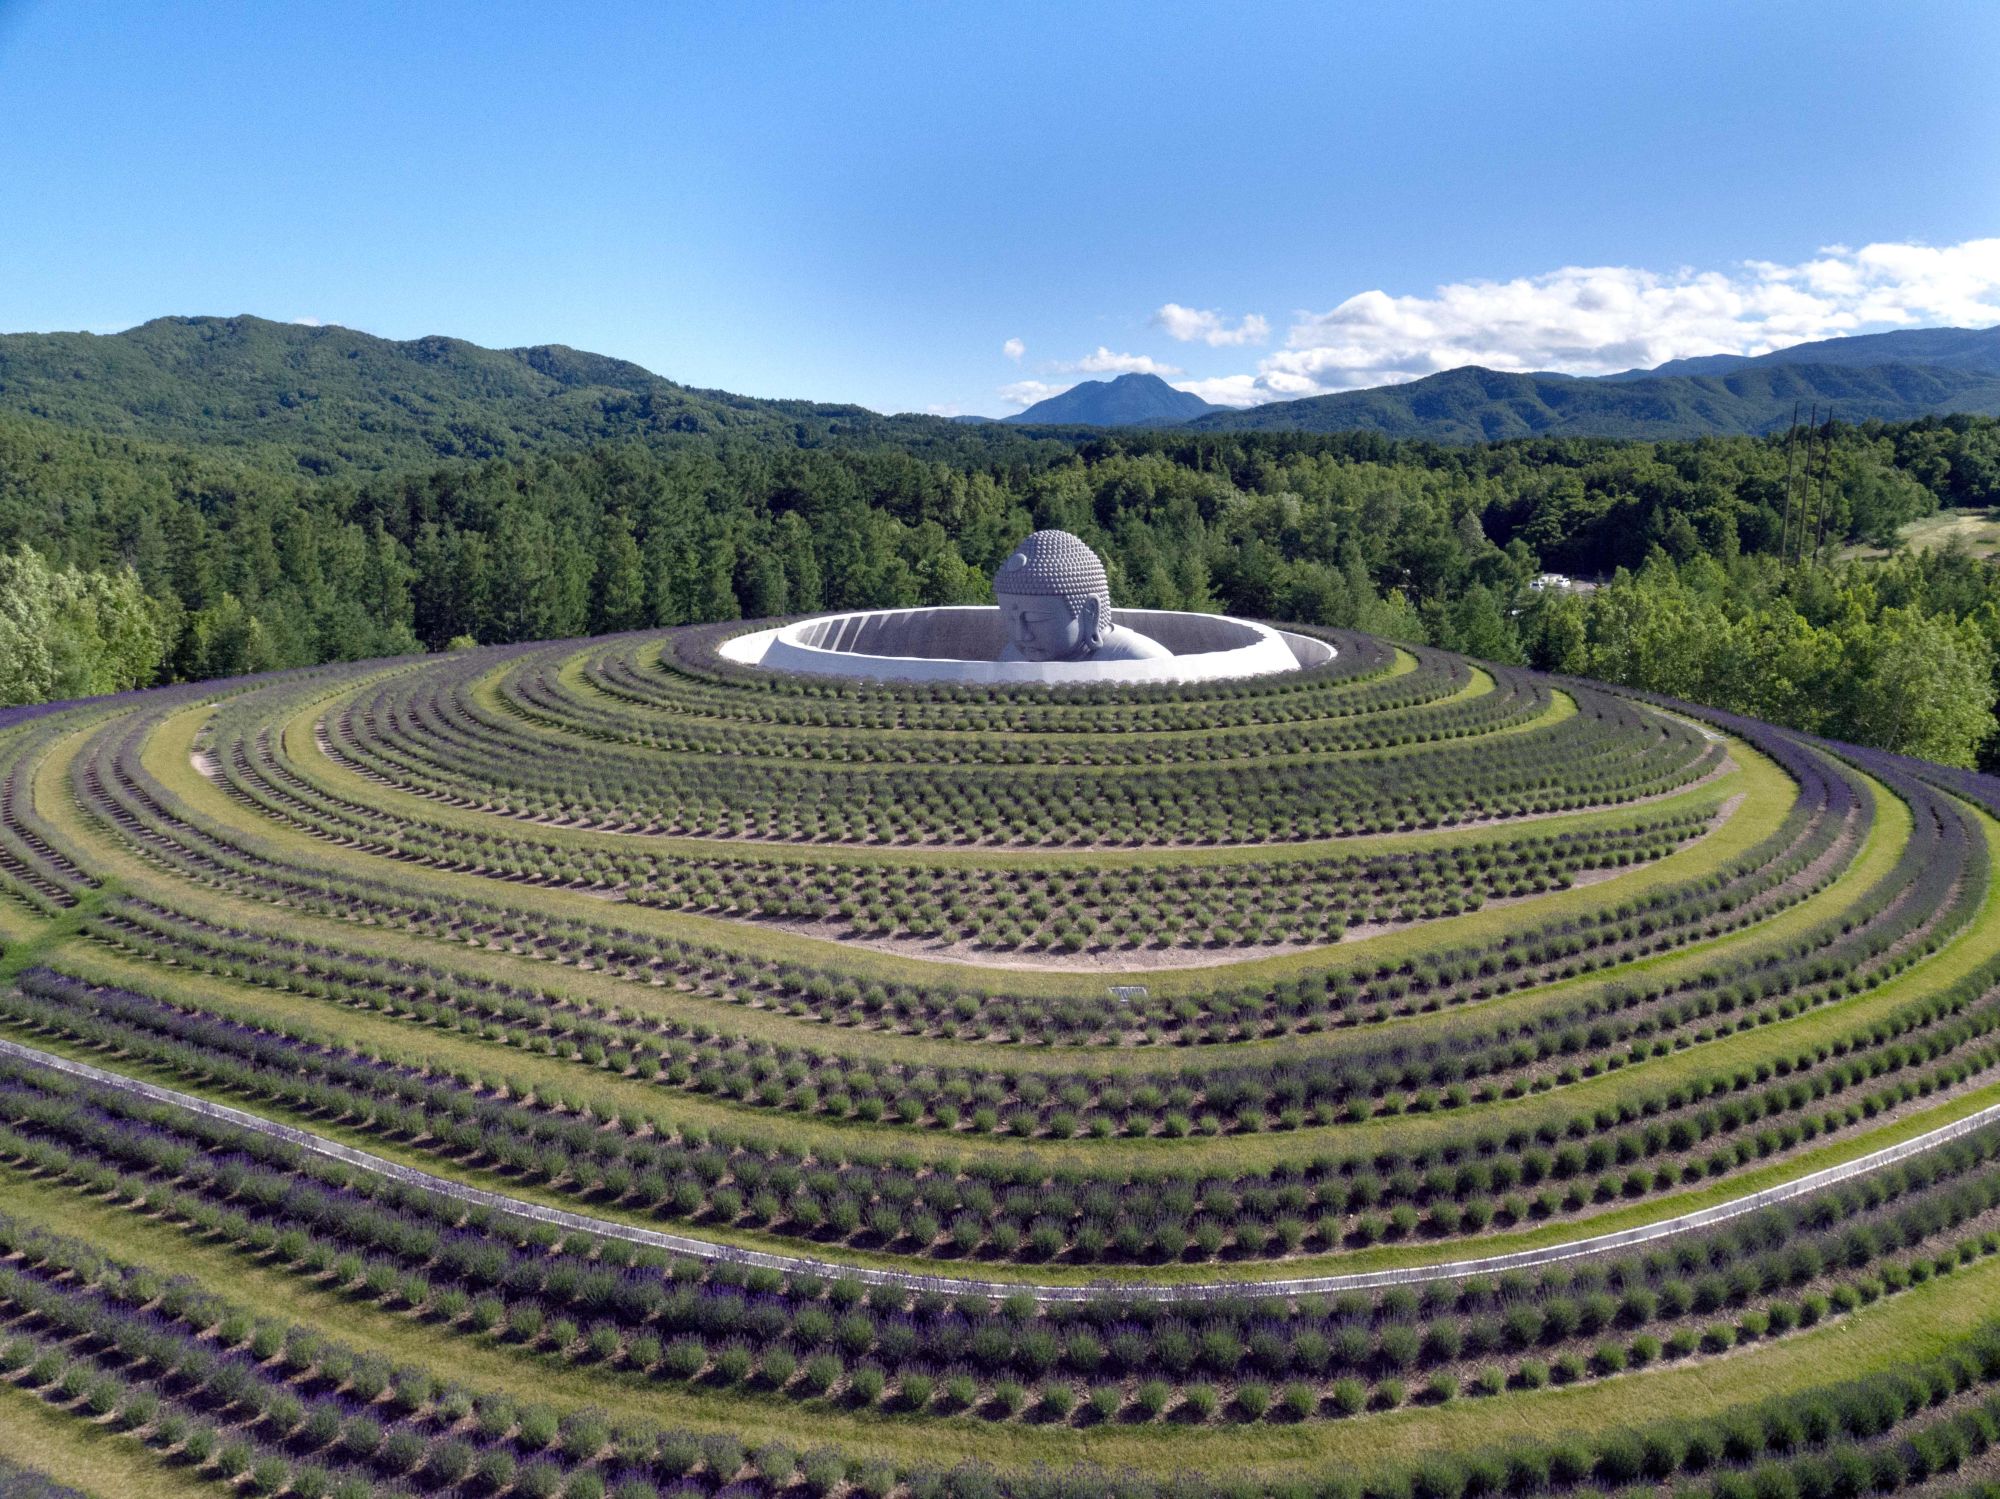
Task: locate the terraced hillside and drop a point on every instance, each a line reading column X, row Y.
column 593, row 1068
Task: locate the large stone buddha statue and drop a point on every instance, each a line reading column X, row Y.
column 1055, row 605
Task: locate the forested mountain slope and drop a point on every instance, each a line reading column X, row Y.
column 1968, row 350
column 328, row 399
column 1480, row 405
column 331, row 400
column 1128, row 401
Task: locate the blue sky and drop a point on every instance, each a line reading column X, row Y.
column 869, row 202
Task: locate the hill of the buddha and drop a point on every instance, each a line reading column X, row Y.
column 595, row 1068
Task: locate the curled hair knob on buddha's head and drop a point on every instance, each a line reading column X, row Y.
column 1055, row 604
column 1054, row 564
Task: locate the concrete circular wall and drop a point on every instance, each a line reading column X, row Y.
column 961, row 644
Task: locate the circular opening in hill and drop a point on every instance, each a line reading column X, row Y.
column 963, row 644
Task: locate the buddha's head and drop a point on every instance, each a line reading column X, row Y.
column 1054, row 601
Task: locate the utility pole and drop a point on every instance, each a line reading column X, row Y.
column 1791, row 446
column 1825, row 475
column 1793, row 549
column 1808, row 472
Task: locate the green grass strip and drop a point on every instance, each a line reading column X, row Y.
column 34, row 946
column 82, row 1452
column 18, row 925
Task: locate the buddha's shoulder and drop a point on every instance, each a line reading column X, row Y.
column 1123, row 644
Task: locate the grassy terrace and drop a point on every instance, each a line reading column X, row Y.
column 1915, row 1326
column 300, row 740
column 606, row 1097
column 1789, row 964
column 1236, row 1152
column 619, row 1093
column 572, row 677
column 1762, row 788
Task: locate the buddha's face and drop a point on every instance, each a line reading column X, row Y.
column 1046, row 628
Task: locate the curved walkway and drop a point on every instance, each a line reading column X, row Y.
column 951, row 1285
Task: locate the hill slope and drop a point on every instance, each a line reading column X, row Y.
column 1480, row 405
column 1973, row 351
column 1128, row 401
column 336, row 398
column 260, row 1198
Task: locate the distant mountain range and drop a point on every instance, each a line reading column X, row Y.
column 1973, row 350
column 1128, row 401
column 327, row 399
column 330, row 398
column 1478, row 405
column 1885, row 376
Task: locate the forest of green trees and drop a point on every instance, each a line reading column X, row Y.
column 129, row 562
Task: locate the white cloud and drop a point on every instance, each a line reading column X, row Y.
column 1595, row 320
column 1225, row 390
column 1025, row 393
column 1104, row 362
column 309, row 322
column 1190, row 323
column 1014, row 349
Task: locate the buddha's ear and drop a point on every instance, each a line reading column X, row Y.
column 1090, row 619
